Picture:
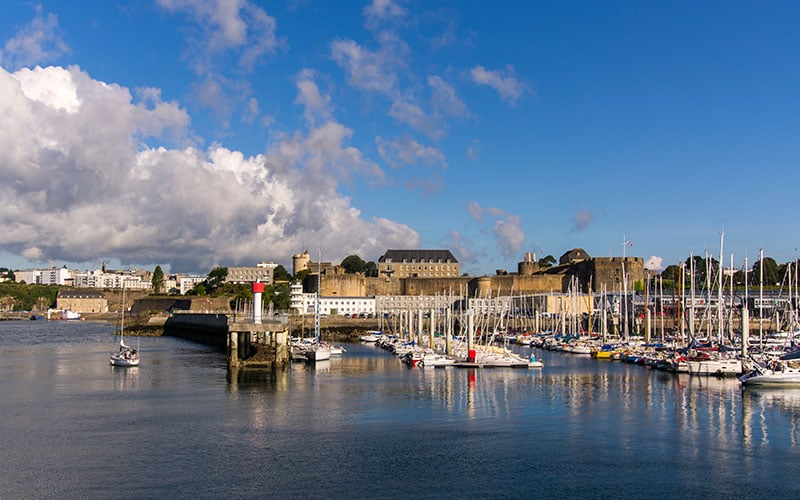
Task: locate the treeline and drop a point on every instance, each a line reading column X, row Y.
column 22, row 297
column 708, row 268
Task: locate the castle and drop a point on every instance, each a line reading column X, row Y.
column 436, row 272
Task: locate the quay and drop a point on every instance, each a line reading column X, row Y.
column 247, row 343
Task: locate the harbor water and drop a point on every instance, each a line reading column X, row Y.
column 181, row 425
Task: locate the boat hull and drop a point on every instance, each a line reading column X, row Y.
column 319, row 354
column 122, row 361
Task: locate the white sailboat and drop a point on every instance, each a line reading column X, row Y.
column 126, row 355
column 319, row 351
column 774, row 374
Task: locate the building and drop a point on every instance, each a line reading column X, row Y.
column 52, row 276
column 300, row 262
column 304, row 303
column 418, row 264
column 395, row 304
column 99, row 278
column 262, row 272
column 186, row 282
column 82, row 301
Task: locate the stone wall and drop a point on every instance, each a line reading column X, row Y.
column 599, row 271
column 608, row 271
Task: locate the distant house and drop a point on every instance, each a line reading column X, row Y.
column 82, row 300
column 418, row 264
column 262, row 272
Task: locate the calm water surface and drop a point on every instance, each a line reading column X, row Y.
column 365, row 426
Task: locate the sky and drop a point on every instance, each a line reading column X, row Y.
column 192, row 134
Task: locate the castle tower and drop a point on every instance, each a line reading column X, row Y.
column 300, row 262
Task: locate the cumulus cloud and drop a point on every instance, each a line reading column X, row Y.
column 475, row 210
column 504, row 82
column 382, row 11
column 369, row 70
column 38, row 42
column 462, row 247
column 507, row 228
column 384, row 71
column 220, row 31
column 474, row 150
column 445, row 100
column 317, row 106
column 510, row 235
column 74, row 191
column 229, row 25
column 654, row 263
column 407, row 151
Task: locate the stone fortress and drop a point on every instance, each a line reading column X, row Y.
column 436, row 272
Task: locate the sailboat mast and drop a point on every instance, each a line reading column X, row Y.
column 719, row 291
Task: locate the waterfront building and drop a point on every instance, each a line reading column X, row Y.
column 304, row 303
column 186, row 282
column 100, row 278
column 418, row 264
column 242, row 275
column 81, row 300
column 52, row 276
column 395, row 304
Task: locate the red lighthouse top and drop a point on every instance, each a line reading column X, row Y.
column 258, row 287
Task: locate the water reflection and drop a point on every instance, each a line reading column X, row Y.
column 763, row 406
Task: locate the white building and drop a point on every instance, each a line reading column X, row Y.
column 52, row 276
column 100, row 279
column 241, row 275
column 394, row 304
column 186, row 282
column 304, row 303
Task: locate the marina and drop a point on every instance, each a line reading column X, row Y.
column 365, row 425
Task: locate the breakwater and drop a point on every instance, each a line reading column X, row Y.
column 248, row 344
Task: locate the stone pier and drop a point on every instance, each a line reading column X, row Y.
column 248, row 344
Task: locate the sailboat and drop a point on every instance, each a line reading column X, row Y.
column 126, row 355
column 318, row 351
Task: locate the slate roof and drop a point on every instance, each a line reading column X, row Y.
column 81, row 293
column 418, row 256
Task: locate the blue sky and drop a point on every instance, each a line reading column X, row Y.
column 192, row 133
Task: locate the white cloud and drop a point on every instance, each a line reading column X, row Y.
column 505, row 83
column 36, row 43
column 251, row 110
column 317, row 106
column 407, row 151
column 507, row 228
column 475, row 210
column 368, row 70
column 474, row 150
column 221, row 31
column 462, row 247
column 381, row 11
column 76, row 192
column 654, row 263
column 510, row 235
column 445, row 98
column 230, row 25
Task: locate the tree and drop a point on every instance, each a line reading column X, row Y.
column 771, row 275
column 371, row 269
column 158, row 279
column 547, row 262
column 353, row 264
column 216, row 278
column 672, row 273
column 281, row 274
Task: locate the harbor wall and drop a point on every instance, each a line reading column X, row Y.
column 209, row 329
